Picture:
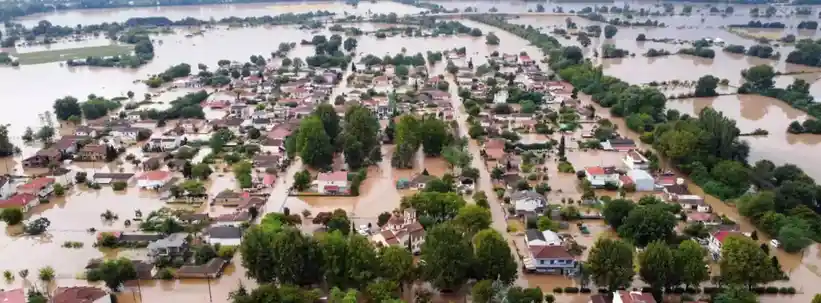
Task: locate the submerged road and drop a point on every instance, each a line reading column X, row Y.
column 496, row 210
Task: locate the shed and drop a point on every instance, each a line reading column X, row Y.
column 643, row 180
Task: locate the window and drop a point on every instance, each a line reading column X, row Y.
column 541, row 262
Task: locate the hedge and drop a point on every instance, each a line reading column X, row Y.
column 571, row 290
column 558, row 290
column 584, row 290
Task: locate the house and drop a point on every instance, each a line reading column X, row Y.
column 402, row 230
column 525, row 60
column 535, row 237
column 240, row 110
column 80, row 294
column 108, row 178
column 500, row 97
column 641, row 179
column 332, row 183
column 127, row 133
column 13, row 296
column 550, row 259
column 692, row 203
column 599, row 176
column 228, row 198
column 7, row 188
column 268, row 161
column 165, row 143
column 623, row 296
column 635, row 160
column 174, row 245
column 23, row 201
column 211, row 270
column 528, row 202
column 619, row 144
column 437, row 94
column 41, row 187
column 85, row 131
column 707, row 219
column 717, row 239
column 419, row 181
column 224, row 235
column 234, row 219
column 153, row 179
column 43, row 158
column 92, row 152
column 68, row 145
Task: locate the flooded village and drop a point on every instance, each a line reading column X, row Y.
column 404, row 151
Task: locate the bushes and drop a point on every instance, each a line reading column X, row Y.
column 571, row 290
column 119, row 185
column 165, row 274
column 558, row 290
column 566, row 167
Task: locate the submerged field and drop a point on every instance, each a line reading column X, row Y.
column 59, row 55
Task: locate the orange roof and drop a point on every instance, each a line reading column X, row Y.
column 594, row 170
column 18, row 200
column 154, row 175
column 36, row 184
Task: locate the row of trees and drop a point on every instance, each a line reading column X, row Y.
column 70, row 109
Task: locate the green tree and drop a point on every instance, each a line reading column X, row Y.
column 793, row 235
column 382, row 290
column 494, row 260
column 313, row 143
column 734, row 294
column 545, row 223
column 6, row 148
column 45, row 134
column 616, row 211
column 743, row 262
column 440, row 207
column 46, row 274
column 201, row 171
column 434, row 136
column 647, row 224
column 447, row 256
column 284, row 255
column 457, row 157
column 361, row 132
column 350, row 262
column 656, row 265
column 302, row 180
column 330, row 120
column 116, row 272
column 12, row 216
column 66, row 107
column 473, row 218
column 482, row 291
column 689, row 263
column 610, row 31
column 396, row 264
column 611, row 263
column 491, row 39
column 339, row 221
column 759, row 78
column 517, row 294
column 756, row 205
column 706, row 86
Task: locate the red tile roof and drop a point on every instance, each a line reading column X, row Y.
column 550, row 252
column 83, row 294
column 594, row 170
column 36, row 184
column 495, row 143
column 722, row 235
column 155, row 175
column 495, row 153
column 18, row 200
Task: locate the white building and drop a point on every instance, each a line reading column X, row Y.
column 224, row 235
column 7, row 189
column 635, row 160
column 332, row 183
column 599, row 176
column 542, row 238
column 500, row 97
column 717, row 239
column 165, row 142
column 126, row 133
column 153, row 179
column 642, row 179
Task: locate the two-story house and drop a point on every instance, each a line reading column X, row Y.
column 332, row 183
column 92, row 152
column 171, row 246
column 85, row 131
column 599, row 176
column 550, row 259
column 402, row 230
column 126, row 133
column 164, row 143
column 43, row 158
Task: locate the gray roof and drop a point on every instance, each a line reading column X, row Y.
column 225, row 232
column 173, row 240
column 534, row 234
column 526, row 194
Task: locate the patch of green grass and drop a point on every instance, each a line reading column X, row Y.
column 59, row 55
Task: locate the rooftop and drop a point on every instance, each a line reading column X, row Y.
column 82, row 294
column 337, row 176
